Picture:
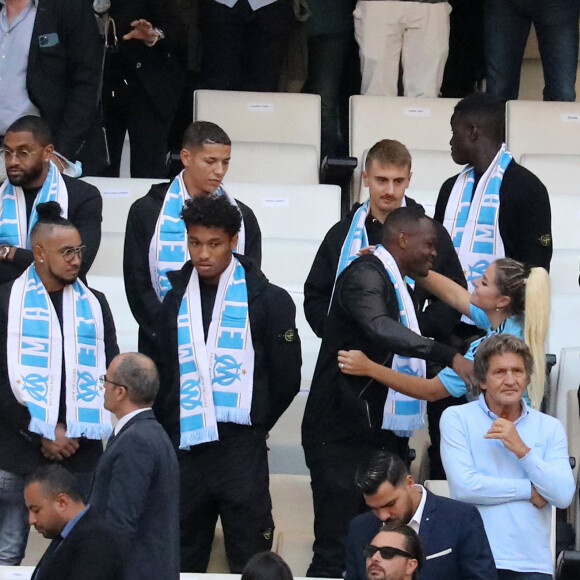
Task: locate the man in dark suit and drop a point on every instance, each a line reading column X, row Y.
column 136, row 485
column 52, row 58
column 143, row 82
column 451, row 532
column 83, row 546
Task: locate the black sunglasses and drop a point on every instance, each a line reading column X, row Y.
column 386, row 552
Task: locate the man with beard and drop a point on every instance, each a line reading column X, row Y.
column 33, row 179
column 394, row 554
column 56, row 338
column 451, row 532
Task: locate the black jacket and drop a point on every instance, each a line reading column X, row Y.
column 276, row 344
column 90, row 552
column 525, row 218
column 64, row 69
column 158, row 69
column 85, row 211
column 141, row 296
column 19, row 447
column 437, row 320
column 364, row 315
column 136, row 489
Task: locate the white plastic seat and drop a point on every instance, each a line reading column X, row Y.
column 275, row 136
column 422, row 124
column 545, row 138
column 293, row 220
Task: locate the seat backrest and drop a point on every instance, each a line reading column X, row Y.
column 284, row 163
column 262, row 117
column 438, row 487
column 542, row 128
column 422, row 124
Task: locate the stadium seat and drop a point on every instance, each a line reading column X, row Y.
column 545, row 138
column 422, row 124
column 275, row 136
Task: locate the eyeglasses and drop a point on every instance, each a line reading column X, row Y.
column 386, row 552
column 69, row 253
column 103, row 380
column 22, row 155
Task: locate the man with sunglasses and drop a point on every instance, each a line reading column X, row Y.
column 56, row 338
column 136, row 485
column 32, row 179
column 394, row 554
column 452, row 534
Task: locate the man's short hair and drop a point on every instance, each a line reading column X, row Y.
column 403, row 219
column 380, row 467
column 49, row 214
column 485, row 110
column 212, row 211
column 54, row 480
column 139, row 375
column 203, row 133
column 389, row 152
column 499, row 344
column 412, row 543
column 35, row 125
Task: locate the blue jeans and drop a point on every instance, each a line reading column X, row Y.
column 13, row 519
column 507, row 25
column 511, row 575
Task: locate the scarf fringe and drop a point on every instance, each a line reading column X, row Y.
column 199, row 436
column 88, row 430
column 231, row 415
column 42, row 428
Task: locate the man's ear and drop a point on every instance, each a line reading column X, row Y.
column 403, row 240
column 473, row 132
column 38, row 253
column 412, row 565
column 365, row 178
column 185, row 156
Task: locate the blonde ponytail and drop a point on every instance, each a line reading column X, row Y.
column 537, row 319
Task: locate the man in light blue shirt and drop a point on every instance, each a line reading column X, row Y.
column 509, row 460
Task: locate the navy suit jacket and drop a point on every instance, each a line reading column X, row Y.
column 452, row 535
column 136, row 489
column 91, row 551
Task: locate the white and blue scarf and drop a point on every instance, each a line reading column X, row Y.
column 168, row 248
column 13, row 223
column 472, row 219
column 216, row 376
column 402, row 414
column 35, row 353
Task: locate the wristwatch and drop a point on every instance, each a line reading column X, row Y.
column 4, row 251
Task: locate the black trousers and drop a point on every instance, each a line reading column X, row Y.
column 228, row 478
column 127, row 107
column 332, row 468
column 244, row 50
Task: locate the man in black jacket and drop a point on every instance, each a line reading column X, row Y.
column 205, row 155
column 52, row 66
column 83, row 546
column 387, row 175
column 516, row 217
column 143, row 82
column 50, row 404
column 28, row 150
column 230, row 368
column 343, row 417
